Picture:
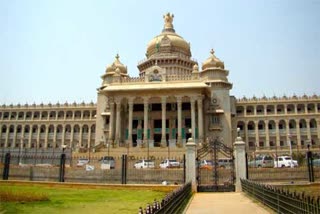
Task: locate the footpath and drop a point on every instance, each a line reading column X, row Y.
column 226, row 202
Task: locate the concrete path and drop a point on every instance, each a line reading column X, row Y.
column 212, row 203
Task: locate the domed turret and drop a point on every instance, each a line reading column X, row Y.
column 168, row 41
column 213, row 70
column 111, row 69
column 212, row 62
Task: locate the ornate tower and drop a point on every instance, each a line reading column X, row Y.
column 169, row 51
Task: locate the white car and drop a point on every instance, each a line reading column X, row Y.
column 169, row 163
column 285, row 161
column 142, row 164
column 82, row 161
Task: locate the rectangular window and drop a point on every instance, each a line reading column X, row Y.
column 215, row 120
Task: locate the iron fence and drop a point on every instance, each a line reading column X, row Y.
column 174, row 202
column 281, row 201
column 45, row 166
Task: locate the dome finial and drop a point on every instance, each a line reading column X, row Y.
column 212, row 51
column 117, row 56
column 168, row 19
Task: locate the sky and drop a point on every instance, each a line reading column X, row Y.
column 56, row 51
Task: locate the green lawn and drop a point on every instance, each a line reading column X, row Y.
column 73, row 199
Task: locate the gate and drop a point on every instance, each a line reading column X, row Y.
column 215, row 167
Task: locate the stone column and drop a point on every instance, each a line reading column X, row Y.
column 298, row 133
column 46, row 137
column 318, row 129
column 71, row 136
column 179, row 104
column 288, row 133
column 285, row 109
column 200, row 119
column 191, row 164
column 89, row 137
column 117, row 137
column 54, row 136
column 145, row 122
column 63, row 135
column 21, row 139
column 245, row 110
column 308, row 129
column 111, row 126
column 246, row 131
column 163, row 129
column 256, row 133
column 14, row 137
column 193, row 118
column 265, row 110
column 129, row 141
column 1, row 132
column 277, row 134
column 240, row 162
column 7, row 137
column 267, row 134
column 80, row 135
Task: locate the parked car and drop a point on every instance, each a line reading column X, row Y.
column 142, row 164
column 169, row 163
column 316, row 162
column 285, row 161
column 225, row 162
column 206, row 164
column 262, row 161
column 82, row 161
column 108, row 160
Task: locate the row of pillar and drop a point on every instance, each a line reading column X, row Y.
column 298, row 134
column 116, row 137
column 38, row 138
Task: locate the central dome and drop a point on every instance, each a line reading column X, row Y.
column 168, row 40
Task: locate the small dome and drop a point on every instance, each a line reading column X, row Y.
column 168, row 37
column 117, row 64
column 212, row 62
column 196, row 67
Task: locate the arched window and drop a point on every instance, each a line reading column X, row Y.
column 4, row 129
column 261, row 125
column 93, row 128
column 250, row 110
column 292, row 124
column 251, row 126
column 302, row 124
column 313, row 124
column 240, row 110
column 271, row 125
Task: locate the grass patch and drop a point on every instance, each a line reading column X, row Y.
column 71, row 199
column 21, row 196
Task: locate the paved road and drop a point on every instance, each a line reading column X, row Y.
column 212, row 203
